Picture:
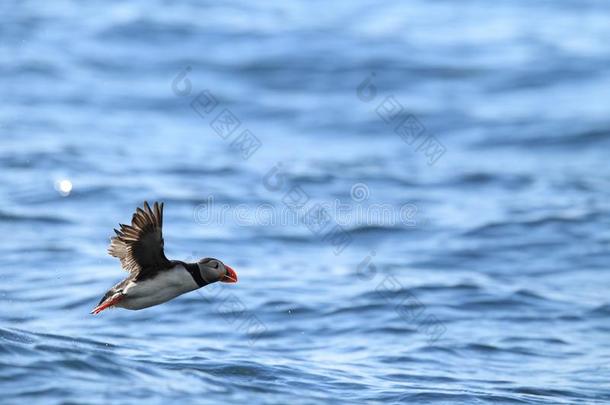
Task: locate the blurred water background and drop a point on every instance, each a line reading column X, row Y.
column 479, row 131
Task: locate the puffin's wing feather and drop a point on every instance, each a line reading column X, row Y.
column 139, row 246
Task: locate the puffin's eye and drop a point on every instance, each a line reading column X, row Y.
column 215, row 265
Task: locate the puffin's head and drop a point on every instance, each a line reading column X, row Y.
column 213, row 270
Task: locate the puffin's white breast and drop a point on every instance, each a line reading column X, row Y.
column 167, row 285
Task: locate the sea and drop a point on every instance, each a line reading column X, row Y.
column 415, row 196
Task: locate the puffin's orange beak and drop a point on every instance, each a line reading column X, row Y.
column 230, row 277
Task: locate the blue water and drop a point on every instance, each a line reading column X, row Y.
column 461, row 259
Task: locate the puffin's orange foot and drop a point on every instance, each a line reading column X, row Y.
column 107, row 304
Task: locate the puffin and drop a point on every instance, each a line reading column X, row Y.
column 154, row 279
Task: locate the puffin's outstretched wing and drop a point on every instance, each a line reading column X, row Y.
column 139, row 246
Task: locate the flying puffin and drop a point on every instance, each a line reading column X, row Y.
column 153, row 279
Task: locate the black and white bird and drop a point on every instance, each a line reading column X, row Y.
column 153, row 279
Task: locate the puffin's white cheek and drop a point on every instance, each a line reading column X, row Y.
column 207, row 276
